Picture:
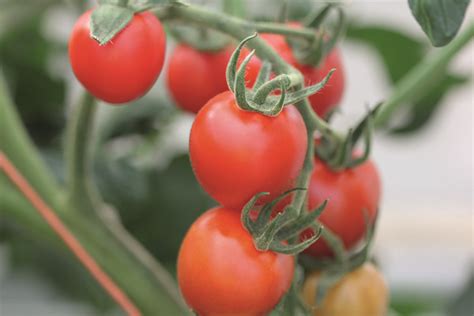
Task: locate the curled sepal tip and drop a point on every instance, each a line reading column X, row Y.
column 233, row 61
column 313, row 53
column 240, row 90
column 310, row 90
column 248, row 207
column 338, row 153
column 263, row 75
column 280, row 232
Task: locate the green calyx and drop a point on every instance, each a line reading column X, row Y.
column 338, row 152
column 281, row 233
column 313, row 52
column 262, row 98
column 112, row 16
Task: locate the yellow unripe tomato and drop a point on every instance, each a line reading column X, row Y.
column 362, row 292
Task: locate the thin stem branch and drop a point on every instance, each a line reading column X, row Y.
column 78, row 153
column 415, row 82
column 277, row 28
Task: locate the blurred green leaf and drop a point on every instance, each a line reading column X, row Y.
column 409, row 303
column 439, row 19
column 25, row 55
column 423, row 110
column 463, row 304
column 156, row 206
column 55, row 266
column 399, row 53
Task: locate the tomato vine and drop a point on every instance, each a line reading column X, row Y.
column 96, row 224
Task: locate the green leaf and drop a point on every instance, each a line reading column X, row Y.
column 425, row 108
column 156, row 206
column 463, row 305
column 107, row 21
column 439, row 19
column 399, row 53
column 25, row 56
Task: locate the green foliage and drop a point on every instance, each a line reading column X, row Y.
column 439, row 19
column 463, row 304
column 156, row 206
column 25, row 55
column 108, row 20
column 399, row 53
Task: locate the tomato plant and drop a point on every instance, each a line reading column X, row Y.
column 123, row 69
column 353, row 194
column 361, row 292
column 250, row 148
column 330, row 96
column 221, row 273
column 236, row 154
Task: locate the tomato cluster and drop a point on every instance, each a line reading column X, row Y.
column 236, row 154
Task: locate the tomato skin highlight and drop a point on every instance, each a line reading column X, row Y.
column 221, row 273
column 329, row 97
column 236, row 154
column 362, row 292
column 349, row 192
column 125, row 68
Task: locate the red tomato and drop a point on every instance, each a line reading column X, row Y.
column 221, row 273
column 236, row 154
column 125, row 68
column 194, row 76
column 349, row 193
column 330, row 96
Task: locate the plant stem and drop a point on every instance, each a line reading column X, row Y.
column 414, row 83
column 277, row 28
column 83, row 195
column 78, row 140
column 240, row 29
column 144, row 280
column 18, row 147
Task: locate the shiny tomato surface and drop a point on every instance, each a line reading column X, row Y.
column 125, row 68
column 221, row 273
column 236, row 154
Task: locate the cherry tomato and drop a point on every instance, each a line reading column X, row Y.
column 236, row 154
column 194, row 76
column 324, row 101
column 125, row 68
column 221, row 273
column 350, row 192
column 362, row 292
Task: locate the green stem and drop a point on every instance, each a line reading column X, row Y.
column 277, row 28
column 415, row 82
column 78, row 141
column 18, row 147
column 83, row 196
column 123, row 259
column 234, row 8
